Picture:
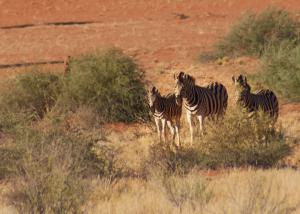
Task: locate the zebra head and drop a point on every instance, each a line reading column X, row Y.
column 152, row 95
column 182, row 84
column 241, row 86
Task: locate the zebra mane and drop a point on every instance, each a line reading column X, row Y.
column 243, row 81
column 169, row 95
column 154, row 90
column 188, row 78
column 183, row 77
column 247, row 86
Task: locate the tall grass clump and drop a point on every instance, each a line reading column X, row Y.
column 254, row 32
column 243, row 140
column 169, row 160
column 281, row 70
column 111, row 83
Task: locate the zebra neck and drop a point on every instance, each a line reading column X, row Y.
column 245, row 96
column 191, row 98
column 158, row 104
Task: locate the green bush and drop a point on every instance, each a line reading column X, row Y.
column 34, row 93
column 281, row 70
column 238, row 140
column 254, row 32
column 111, row 83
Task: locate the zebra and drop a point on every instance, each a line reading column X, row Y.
column 166, row 110
column 200, row 101
column 265, row 100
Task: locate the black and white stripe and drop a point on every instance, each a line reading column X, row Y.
column 166, row 110
column 200, row 101
column 265, row 100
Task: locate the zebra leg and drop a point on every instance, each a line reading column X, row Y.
column 158, row 128
column 201, row 122
column 171, row 129
column 189, row 119
column 177, row 127
column 163, row 123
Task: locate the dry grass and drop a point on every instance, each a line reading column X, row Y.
column 240, row 191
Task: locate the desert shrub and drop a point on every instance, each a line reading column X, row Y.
column 169, row 160
column 236, row 141
column 34, row 93
column 281, row 70
column 254, row 32
column 111, row 83
column 109, row 164
column 52, row 170
column 187, row 190
column 240, row 140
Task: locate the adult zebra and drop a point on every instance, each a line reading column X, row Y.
column 265, row 100
column 166, row 110
column 200, row 101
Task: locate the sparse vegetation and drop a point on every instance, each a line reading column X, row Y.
column 235, row 141
column 253, row 191
column 53, row 148
column 273, row 35
column 242, row 141
column 254, row 33
column 50, row 173
column 176, row 161
column 51, row 170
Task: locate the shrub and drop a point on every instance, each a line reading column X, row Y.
column 52, row 170
column 238, row 140
column 34, row 93
column 179, row 161
column 281, row 70
column 235, row 141
column 254, row 32
column 111, row 83
column 187, row 190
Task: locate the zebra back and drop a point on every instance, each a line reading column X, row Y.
column 220, row 92
column 269, row 102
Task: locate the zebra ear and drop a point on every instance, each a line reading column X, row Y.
column 153, row 89
column 244, row 78
column 181, row 74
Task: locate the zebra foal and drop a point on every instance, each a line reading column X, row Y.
column 200, row 101
column 265, row 100
column 166, row 110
